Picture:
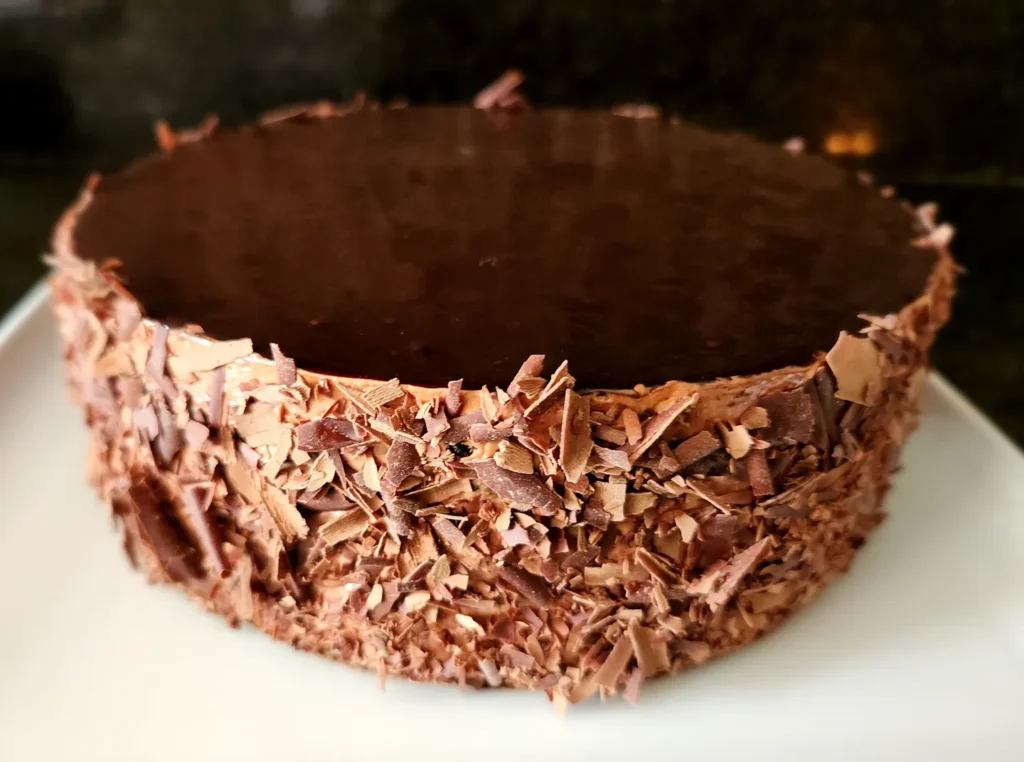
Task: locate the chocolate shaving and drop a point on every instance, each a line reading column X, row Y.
column 527, row 489
column 441, row 493
column 580, row 558
column 156, row 363
column 631, row 424
column 514, row 457
column 755, row 418
column 436, row 425
column 286, row 516
column 651, row 651
column 402, row 460
column 146, row 422
column 857, row 365
column 697, row 447
column 791, row 416
column 734, row 572
column 345, row 527
column 596, row 516
column 217, row 407
column 384, row 393
column 610, row 497
column 326, row 434
column 687, row 527
column 657, row 568
column 198, row 357
column 738, row 441
column 285, row 365
column 759, row 474
column 162, row 532
column 325, row 499
column 610, row 458
column 530, row 586
column 657, row 425
column 501, row 93
column 196, row 500
column 485, row 432
column 608, row 434
column 560, row 381
column 614, row 666
column 453, row 398
column 515, row 536
column 637, row 503
column 531, row 368
column 195, row 434
column 576, row 442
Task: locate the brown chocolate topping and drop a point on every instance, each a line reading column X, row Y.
column 422, row 242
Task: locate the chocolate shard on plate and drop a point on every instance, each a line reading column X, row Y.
column 704, row 478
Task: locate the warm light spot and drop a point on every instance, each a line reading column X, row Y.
column 859, row 143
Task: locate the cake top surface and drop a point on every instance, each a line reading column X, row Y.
column 440, row 243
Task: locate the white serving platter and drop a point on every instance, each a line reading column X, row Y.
column 917, row 654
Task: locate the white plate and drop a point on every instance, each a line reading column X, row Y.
column 916, row 654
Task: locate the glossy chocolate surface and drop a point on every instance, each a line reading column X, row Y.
column 432, row 244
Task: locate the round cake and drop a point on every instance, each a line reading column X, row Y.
column 558, row 400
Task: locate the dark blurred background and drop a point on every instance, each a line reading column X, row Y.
column 925, row 94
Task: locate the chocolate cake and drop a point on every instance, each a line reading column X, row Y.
column 557, row 400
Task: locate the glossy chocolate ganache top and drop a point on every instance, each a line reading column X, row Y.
column 438, row 243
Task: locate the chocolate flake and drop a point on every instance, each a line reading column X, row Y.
column 162, row 532
column 286, row 374
column 637, row 503
column 217, row 406
column 631, row 424
column 657, row 425
column 519, row 488
column 384, row 393
column 610, row 458
column 326, row 434
column 345, row 527
column 196, row 500
column 857, row 365
column 651, row 651
column 198, row 357
column 530, row 586
column 501, row 93
column 759, row 474
column 531, row 368
column 755, row 418
column 286, row 516
column 514, row 457
column 576, row 442
column 195, row 434
column 323, row 500
column 611, row 498
column 441, row 493
column 688, row 527
column 734, row 572
column 485, row 432
column 791, row 416
column 614, row 666
column 695, row 448
column 608, row 434
column 453, row 398
column 738, row 441
column 402, row 460
column 559, row 382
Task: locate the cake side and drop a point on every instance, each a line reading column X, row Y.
column 534, row 536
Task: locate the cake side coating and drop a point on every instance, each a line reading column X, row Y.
column 534, row 536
